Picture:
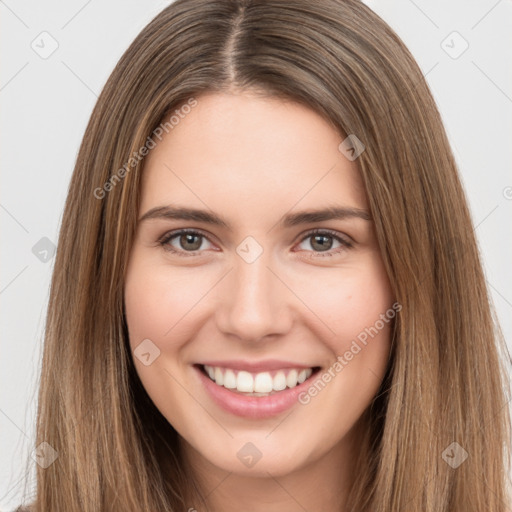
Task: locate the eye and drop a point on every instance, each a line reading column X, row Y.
column 324, row 241
column 188, row 242
column 184, row 241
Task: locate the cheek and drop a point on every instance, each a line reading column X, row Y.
column 353, row 304
column 356, row 305
column 158, row 300
column 157, row 305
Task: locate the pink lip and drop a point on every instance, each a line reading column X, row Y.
column 257, row 366
column 251, row 406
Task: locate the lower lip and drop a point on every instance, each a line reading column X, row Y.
column 252, row 406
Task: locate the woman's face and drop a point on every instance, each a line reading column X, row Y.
column 266, row 288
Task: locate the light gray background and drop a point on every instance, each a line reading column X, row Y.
column 46, row 103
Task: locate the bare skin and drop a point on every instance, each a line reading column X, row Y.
column 304, row 299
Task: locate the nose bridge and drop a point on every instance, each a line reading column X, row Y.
column 253, row 302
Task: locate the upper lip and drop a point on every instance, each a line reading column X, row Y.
column 256, row 366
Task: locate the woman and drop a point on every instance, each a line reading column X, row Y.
column 267, row 292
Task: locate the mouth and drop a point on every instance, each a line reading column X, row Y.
column 252, row 394
column 258, row 384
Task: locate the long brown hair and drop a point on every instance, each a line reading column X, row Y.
column 446, row 382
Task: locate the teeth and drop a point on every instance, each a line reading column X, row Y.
column 291, row 379
column 219, row 376
column 263, row 383
column 258, row 384
column 244, row 382
column 229, row 379
column 279, row 382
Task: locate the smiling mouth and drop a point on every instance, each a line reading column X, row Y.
column 257, row 384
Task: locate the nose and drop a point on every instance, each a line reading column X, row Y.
column 254, row 304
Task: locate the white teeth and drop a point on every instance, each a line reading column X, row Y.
column 279, row 382
column 244, row 382
column 229, row 379
column 263, row 383
column 219, row 377
column 291, row 379
column 260, row 384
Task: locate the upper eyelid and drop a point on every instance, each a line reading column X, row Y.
column 168, row 235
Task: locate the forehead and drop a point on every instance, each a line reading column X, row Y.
column 253, row 154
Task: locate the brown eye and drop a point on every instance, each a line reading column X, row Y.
column 190, row 242
column 318, row 242
column 183, row 242
column 321, row 242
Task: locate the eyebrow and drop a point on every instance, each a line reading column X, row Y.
column 288, row 220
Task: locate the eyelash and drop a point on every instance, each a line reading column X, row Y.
column 345, row 243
